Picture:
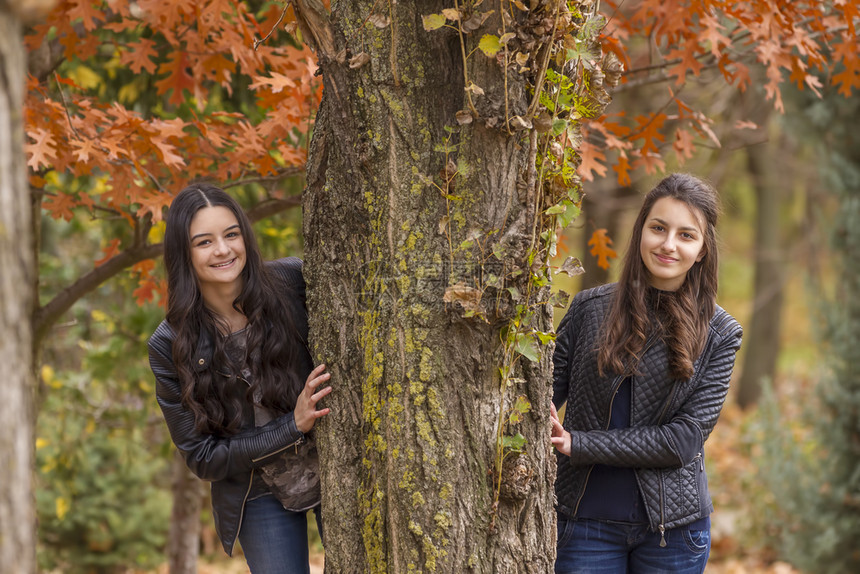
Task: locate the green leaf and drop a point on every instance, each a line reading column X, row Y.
column 433, row 21
column 490, row 45
column 514, row 443
column 522, row 405
column 527, row 347
column 545, row 337
column 571, row 213
column 556, row 209
column 558, row 127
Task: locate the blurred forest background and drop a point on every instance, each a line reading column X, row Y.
column 186, row 91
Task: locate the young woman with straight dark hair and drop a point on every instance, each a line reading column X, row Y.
column 643, row 366
column 235, row 379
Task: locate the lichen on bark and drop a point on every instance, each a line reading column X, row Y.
column 422, row 244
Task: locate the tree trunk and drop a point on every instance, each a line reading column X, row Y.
column 183, row 545
column 419, row 239
column 17, row 511
column 762, row 337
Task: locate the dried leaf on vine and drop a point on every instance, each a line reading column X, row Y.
column 443, row 225
column 379, row 20
column 359, row 60
column 475, row 89
column 476, row 21
column 464, row 117
column 468, row 297
column 571, row 267
column 521, row 123
column 451, row 14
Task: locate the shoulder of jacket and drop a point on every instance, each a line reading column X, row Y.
column 288, row 269
column 162, row 336
column 595, row 293
column 724, row 324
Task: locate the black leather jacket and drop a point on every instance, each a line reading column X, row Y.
column 670, row 419
column 228, row 462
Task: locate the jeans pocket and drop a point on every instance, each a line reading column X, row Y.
column 564, row 528
column 698, row 540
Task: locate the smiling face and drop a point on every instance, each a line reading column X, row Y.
column 672, row 242
column 217, row 249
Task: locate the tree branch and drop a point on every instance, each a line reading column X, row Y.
column 47, row 315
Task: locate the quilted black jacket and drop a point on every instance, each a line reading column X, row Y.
column 228, row 462
column 670, row 419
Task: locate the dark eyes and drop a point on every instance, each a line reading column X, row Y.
column 685, row 235
column 229, row 235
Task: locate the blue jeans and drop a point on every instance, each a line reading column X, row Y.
column 274, row 540
column 588, row 546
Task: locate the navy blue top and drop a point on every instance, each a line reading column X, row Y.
column 612, row 492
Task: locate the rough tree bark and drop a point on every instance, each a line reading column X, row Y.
column 17, row 508
column 408, row 453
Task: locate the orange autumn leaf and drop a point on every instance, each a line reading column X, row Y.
column 600, row 247
column 86, row 12
column 178, row 79
column 42, row 151
column 139, row 56
column 683, row 145
column 591, row 157
column 110, row 250
column 622, row 168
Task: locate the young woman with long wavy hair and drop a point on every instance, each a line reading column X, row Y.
column 643, row 368
column 235, row 380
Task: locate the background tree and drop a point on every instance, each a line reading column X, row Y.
column 17, row 516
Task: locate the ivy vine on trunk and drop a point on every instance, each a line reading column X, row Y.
column 441, row 169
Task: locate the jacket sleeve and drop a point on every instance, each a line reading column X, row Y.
column 561, row 357
column 208, row 456
column 679, row 440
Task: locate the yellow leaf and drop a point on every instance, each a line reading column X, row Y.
column 98, row 315
column 156, row 232
column 41, row 443
column 85, row 77
column 48, row 374
column 62, row 506
column 433, row 21
column 490, row 44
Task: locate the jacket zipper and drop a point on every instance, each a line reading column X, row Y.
column 616, row 386
column 242, row 512
column 662, row 526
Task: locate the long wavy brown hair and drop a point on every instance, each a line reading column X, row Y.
column 215, row 395
column 639, row 311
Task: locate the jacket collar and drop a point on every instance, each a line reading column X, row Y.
column 204, row 351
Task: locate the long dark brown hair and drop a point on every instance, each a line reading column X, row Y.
column 681, row 317
column 216, row 395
